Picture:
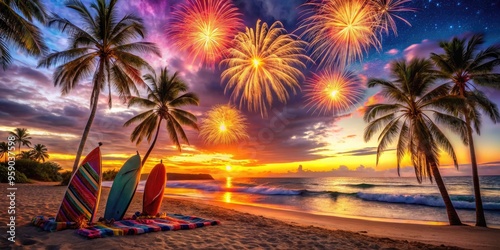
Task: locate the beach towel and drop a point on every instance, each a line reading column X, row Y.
column 50, row 224
column 137, row 225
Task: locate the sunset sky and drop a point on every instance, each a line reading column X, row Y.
column 290, row 136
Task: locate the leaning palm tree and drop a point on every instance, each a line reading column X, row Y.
column 466, row 66
column 102, row 47
column 4, row 150
column 17, row 29
column 21, row 137
column 405, row 119
column 166, row 97
column 39, row 152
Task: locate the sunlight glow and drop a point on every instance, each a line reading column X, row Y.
column 229, row 168
column 227, row 197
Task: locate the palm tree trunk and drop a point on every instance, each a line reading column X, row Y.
column 152, row 144
column 86, row 132
column 95, row 99
column 450, row 209
column 480, row 219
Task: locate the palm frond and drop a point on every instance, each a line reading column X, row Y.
column 379, row 109
column 377, row 124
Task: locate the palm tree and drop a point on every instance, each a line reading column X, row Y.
column 466, row 66
column 27, row 155
column 4, row 150
column 406, row 119
column 166, row 97
column 39, row 152
column 16, row 28
column 101, row 46
column 22, row 137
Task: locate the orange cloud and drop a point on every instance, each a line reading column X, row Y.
column 374, row 99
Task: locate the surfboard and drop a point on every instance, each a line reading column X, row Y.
column 153, row 191
column 81, row 200
column 123, row 188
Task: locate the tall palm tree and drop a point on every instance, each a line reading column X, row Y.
column 39, row 152
column 405, row 119
column 101, row 46
column 22, row 137
column 466, row 66
column 166, row 96
column 16, row 28
column 4, row 150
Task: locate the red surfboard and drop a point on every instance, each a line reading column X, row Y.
column 153, row 191
column 81, row 199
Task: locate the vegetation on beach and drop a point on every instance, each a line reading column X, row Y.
column 29, row 164
column 107, row 175
column 29, row 169
column 20, row 177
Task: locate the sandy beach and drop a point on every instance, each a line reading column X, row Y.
column 242, row 227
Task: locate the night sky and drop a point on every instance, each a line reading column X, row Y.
column 287, row 138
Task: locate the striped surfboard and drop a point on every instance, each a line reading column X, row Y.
column 81, row 199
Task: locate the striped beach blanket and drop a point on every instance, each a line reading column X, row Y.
column 50, row 224
column 134, row 226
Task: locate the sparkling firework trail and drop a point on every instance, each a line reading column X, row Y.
column 340, row 31
column 264, row 63
column 223, row 125
column 205, row 29
column 333, row 91
column 387, row 11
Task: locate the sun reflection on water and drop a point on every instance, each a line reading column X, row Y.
column 227, row 197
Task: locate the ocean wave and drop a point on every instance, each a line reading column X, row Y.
column 426, row 200
column 362, row 185
column 264, row 190
column 370, row 185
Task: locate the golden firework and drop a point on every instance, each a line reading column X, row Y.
column 387, row 11
column 333, row 91
column 205, row 29
column 340, row 31
column 223, row 125
column 264, row 63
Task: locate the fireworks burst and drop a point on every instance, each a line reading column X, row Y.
column 263, row 63
column 205, row 29
column 387, row 12
column 340, row 30
column 333, row 91
column 223, row 125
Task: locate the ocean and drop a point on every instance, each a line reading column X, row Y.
column 371, row 198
